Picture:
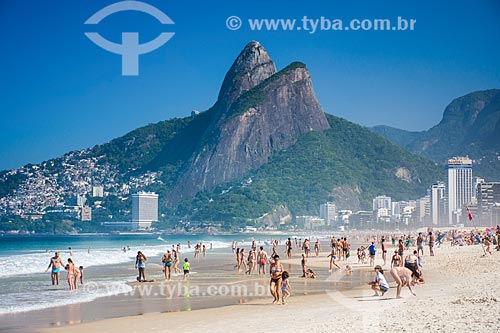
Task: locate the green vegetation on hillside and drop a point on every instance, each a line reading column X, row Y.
column 305, row 175
column 141, row 146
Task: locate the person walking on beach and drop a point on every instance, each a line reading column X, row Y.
column 233, row 246
column 242, row 259
column 384, row 250
column 168, row 262
column 402, row 277
column 332, row 261
column 289, row 248
column 401, row 248
column 286, row 288
column 317, row 247
column 238, row 263
column 55, row 263
column 276, row 271
column 346, row 248
column 372, row 251
column 306, row 247
column 431, row 243
column 380, row 283
column 420, row 243
column 186, row 268
column 140, row 264
column 175, row 256
column 303, row 263
column 262, row 260
column 251, row 261
column 204, row 251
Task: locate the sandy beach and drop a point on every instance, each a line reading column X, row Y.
column 460, row 294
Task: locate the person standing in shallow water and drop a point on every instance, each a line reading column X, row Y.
column 55, row 263
column 140, row 264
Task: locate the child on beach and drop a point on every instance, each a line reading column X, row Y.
column 82, row 279
column 285, row 286
column 186, row 267
column 303, row 262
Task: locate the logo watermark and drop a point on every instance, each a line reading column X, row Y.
column 170, row 290
column 314, row 25
column 130, row 48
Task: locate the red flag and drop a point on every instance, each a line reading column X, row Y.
column 470, row 214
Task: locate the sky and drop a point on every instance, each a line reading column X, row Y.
column 61, row 92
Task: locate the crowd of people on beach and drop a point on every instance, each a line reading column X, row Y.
column 405, row 264
column 74, row 276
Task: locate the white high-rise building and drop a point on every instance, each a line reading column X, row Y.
column 144, row 209
column 382, row 201
column 459, row 186
column 98, row 191
column 328, row 212
column 438, row 204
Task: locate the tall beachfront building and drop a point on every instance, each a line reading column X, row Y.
column 459, row 186
column 382, row 201
column 144, row 210
column 328, row 212
column 438, row 204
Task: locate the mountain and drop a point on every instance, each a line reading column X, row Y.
column 346, row 163
column 396, row 135
column 470, row 126
column 265, row 151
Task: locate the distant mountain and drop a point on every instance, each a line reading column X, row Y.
column 265, row 151
column 396, row 135
column 470, row 126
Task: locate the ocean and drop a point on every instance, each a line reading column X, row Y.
column 24, row 286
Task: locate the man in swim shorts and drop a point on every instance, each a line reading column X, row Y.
column 56, row 263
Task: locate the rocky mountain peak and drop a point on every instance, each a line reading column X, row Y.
column 252, row 66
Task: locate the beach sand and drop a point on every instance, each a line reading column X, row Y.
column 460, row 294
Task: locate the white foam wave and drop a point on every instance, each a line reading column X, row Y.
column 36, row 262
column 27, row 300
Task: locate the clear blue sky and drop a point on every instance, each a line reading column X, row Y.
column 61, row 92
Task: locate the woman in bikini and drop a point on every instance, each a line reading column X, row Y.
column 402, row 276
column 238, row 264
column 242, row 260
column 396, row 259
column 252, row 258
column 70, row 267
column 168, row 262
column 276, row 279
column 317, row 247
column 175, row 255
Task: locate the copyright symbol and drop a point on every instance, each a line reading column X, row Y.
column 233, row 22
column 91, row 287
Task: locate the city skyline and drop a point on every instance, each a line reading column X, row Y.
column 62, row 92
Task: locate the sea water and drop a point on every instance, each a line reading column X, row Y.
column 24, row 285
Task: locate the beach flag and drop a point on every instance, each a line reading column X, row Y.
column 470, row 214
